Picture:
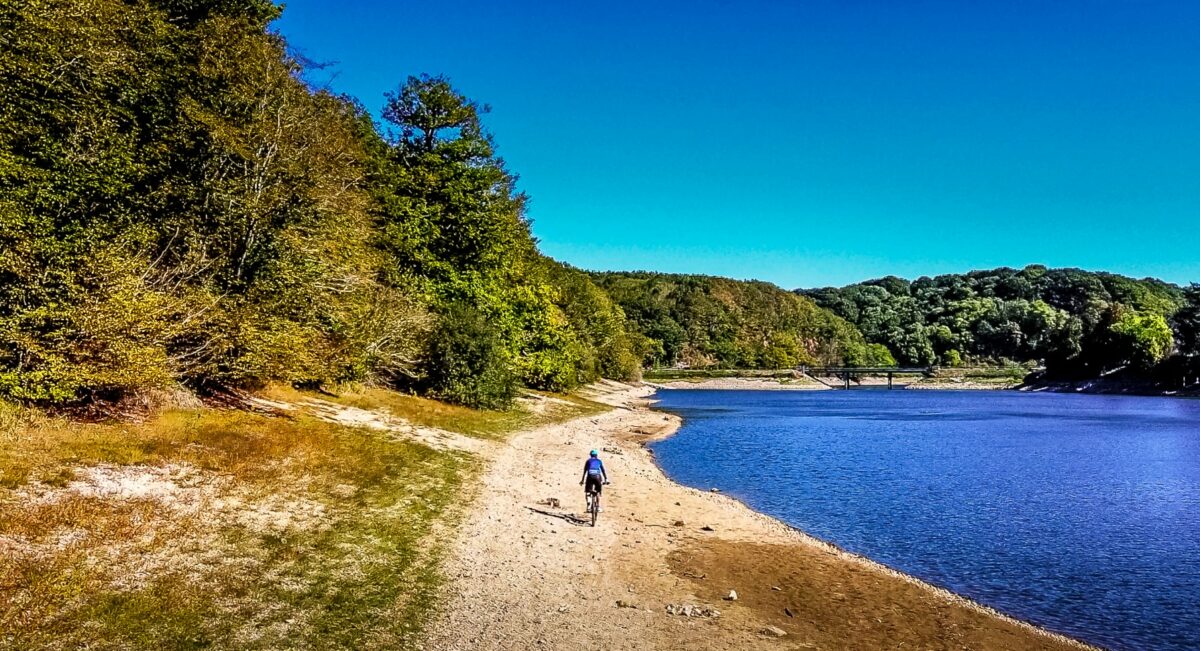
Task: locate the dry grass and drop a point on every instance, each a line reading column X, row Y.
column 218, row 529
column 536, row 408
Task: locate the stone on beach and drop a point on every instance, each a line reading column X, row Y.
column 692, row 610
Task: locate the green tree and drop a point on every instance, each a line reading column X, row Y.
column 1142, row 340
column 453, row 231
column 1058, row 316
column 1187, row 321
column 473, row 366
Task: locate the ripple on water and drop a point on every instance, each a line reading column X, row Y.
column 1079, row 513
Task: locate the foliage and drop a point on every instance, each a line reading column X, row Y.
column 452, row 228
column 701, row 321
column 1061, row 317
column 1143, row 340
column 473, row 366
column 869, row 355
column 1187, row 321
column 176, row 204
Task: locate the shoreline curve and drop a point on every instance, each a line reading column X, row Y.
column 852, row 557
column 525, row 571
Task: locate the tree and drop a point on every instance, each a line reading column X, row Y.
column 1141, row 340
column 1061, row 317
column 473, row 366
column 453, row 231
column 1187, row 321
column 427, row 106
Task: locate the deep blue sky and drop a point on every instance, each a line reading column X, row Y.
column 816, row 142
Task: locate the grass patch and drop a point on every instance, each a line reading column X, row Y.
column 219, row 530
column 538, row 408
column 216, row 529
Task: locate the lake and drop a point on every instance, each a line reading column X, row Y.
column 1078, row 513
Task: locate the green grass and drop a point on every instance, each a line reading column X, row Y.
column 90, row 571
column 261, row 532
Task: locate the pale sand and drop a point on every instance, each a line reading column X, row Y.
column 900, row 383
column 737, row 383
column 525, row 576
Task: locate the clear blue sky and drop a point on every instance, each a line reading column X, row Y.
column 816, row 142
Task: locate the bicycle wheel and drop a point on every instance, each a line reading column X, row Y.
column 595, row 508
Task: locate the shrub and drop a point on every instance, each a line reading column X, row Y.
column 467, row 362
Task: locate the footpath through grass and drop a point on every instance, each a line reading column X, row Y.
column 534, row 409
column 229, row 530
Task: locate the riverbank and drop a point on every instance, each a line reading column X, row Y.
column 524, row 572
column 743, row 384
column 1109, row 386
column 808, row 384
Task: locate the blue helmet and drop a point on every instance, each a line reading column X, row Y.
column 594, row 453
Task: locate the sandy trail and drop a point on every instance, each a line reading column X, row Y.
column 524, row 576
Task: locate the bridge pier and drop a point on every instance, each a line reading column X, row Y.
column 889, row 381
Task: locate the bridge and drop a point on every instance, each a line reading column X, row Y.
column 846, row 373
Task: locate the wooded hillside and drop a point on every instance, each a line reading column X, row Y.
column 1079, row 323
column 702, row 321
column 177, row 205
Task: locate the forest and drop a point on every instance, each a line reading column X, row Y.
column 705, row 321
column 1078, row 324
column 178, row 206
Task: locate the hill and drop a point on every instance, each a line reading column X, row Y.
column 702, row 321
column 1078, row 323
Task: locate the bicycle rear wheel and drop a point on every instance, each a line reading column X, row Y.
column 595, row 508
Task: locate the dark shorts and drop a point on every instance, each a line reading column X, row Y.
column 593, row 483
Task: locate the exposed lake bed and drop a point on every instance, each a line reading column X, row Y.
column 1078, row 513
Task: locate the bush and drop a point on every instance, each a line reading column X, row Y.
column 467, row 362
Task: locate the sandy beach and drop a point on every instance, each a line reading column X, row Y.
column 658, row 569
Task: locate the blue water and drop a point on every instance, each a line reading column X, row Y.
column 1078, row 513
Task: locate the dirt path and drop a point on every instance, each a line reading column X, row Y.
column 522, row 575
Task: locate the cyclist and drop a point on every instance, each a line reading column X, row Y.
column 594, row 475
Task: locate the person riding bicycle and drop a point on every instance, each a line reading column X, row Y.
column 594, row 475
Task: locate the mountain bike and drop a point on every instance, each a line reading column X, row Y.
column 593, row 503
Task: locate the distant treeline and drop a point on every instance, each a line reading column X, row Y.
column 704, row 321
column 1079, row 324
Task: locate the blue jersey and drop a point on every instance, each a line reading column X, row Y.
column 594, row 468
